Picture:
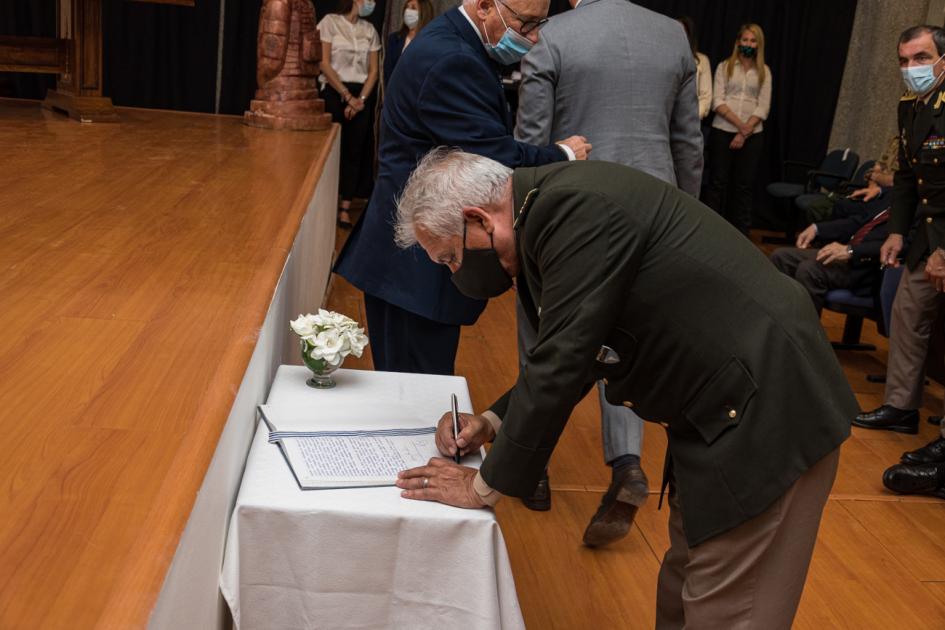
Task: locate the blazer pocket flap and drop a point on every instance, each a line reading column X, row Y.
column 722, row 401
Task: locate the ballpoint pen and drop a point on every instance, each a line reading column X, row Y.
column 455, row 406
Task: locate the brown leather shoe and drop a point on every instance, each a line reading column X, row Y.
column 540, row 500
column 627, row 492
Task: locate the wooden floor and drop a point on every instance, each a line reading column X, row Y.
column 879, row 561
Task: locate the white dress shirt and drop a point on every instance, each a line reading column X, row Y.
column 351, row 45
column 742, row 94
column 704, row 84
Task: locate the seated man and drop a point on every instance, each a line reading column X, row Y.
column 847, row 259
column 872, row 199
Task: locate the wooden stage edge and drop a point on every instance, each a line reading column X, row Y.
column 159, row 243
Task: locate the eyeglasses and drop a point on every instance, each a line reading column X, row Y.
column 528, row 24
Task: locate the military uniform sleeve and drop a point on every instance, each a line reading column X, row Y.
column 458, row 107
column 587, row 252
column 905, row 195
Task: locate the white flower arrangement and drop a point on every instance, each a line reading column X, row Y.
column 329, row 336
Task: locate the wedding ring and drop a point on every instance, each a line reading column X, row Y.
column 426, row 482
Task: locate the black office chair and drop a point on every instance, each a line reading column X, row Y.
column 837, row 167
column 806, row 201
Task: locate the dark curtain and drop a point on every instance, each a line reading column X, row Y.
column 35, row 18
column 161, row 56
column 806, row 45
column 241, row 25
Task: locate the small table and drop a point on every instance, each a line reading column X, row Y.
column 365, row 557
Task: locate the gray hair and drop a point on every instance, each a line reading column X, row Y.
column 913, row 32
column 444, row 182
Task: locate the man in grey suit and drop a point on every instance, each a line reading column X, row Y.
column 625, row 78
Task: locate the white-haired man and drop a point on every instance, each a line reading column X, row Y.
column 630, row 281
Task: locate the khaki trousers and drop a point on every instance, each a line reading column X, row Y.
column 913, row 314
column 750, row 577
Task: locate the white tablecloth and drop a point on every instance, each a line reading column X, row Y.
column 361, row 558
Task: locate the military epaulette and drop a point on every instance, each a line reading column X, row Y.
column 908, row 96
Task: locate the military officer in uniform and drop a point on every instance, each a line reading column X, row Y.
column 628, row 280
column 918, row 195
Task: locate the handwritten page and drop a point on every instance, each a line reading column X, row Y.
column 342, row 461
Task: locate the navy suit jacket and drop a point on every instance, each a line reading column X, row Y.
column 445, row 90
column 864, row 265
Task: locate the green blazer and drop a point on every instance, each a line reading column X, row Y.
column 712, row 341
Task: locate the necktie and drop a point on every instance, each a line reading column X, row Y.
column 865, row 229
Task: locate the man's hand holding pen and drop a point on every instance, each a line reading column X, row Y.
column 474, row 431
column 442, row 479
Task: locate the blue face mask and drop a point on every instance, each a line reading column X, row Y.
column 511, row 47
column 920, row 79
column 367, row 8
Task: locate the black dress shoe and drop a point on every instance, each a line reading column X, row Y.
column 540, row 501
column 916, row 479
column 888, row 418
column 931, row 453
column 627, row 492
column 936, row 420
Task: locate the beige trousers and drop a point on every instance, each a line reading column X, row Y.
column 913, row 314
column 750, row 577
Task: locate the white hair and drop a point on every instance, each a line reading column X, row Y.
column 444, row 182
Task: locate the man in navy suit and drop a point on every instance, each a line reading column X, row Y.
column 448, row 92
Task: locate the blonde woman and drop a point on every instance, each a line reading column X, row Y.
column 741, row 101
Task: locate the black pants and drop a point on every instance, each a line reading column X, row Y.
column 818, row 279
column 402, row 341
column 357, row 143
column 738, row 167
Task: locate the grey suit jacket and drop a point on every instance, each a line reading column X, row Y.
column 625, row 78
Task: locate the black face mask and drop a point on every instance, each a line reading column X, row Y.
column 748, row 51
column 481, row 276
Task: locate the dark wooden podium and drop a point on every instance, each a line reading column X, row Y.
column 75, row 54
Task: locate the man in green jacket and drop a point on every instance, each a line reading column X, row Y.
column 628, row 280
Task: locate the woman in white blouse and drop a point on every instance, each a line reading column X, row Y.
column 741, row 100
column 703, row 69
column 349, row 68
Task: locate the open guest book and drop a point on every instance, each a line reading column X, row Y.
column 343, row 455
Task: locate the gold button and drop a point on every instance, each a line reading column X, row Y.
column 628, row 404
column 925, row 202
column 934, row 160
column 732, row 413
column 928, row 219
column 921, row 181
column 915, row 161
